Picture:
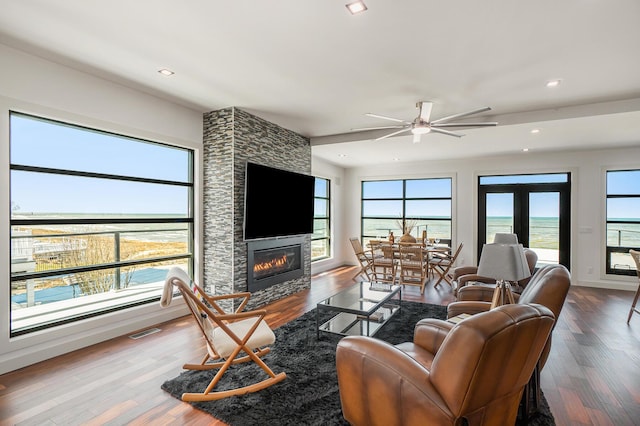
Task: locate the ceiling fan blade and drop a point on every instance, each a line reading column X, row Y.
column 462, row 114
column 484, row 124
column 394, row 133
column 387, row 118
column 425, row 110
column 446, row 132
column 359, row 129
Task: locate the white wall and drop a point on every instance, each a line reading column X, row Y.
column 587, row 200
column 32, row 85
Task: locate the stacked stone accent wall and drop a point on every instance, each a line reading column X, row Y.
column 231, row 138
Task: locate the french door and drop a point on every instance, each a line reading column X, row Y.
column 535, row 207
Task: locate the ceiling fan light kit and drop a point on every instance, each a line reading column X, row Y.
column 422, row 125
column 420, row 129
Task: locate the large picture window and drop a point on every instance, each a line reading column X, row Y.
column 96, row 220
column 418, row 204
column 623, row 220
column 321, row 239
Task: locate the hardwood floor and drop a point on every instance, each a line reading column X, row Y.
column 592, row 376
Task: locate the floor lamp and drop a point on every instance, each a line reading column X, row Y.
column 505, row 263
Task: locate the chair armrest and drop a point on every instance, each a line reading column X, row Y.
column 371, row 371
column 429, row 333
column 213, row 299
column 465, row 279
column 467, row 307
column 227, row 296
column 476, row 293
column 241, row 315
column 459, row 271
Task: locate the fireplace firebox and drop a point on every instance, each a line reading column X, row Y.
column 273, row 261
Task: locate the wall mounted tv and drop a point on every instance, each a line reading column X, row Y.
column 277, row 203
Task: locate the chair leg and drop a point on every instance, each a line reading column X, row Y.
column 209, row 395
column 364, row 269
column 360, row 272
column 440, row 276
column 215, row 365
column 530, row 401
column 633, row 305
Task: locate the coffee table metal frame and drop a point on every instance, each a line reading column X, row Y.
column 361, row 309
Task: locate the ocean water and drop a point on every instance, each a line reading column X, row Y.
column 543, row 231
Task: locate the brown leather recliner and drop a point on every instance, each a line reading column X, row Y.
column 474, row 371
column 472, row 298
column 463, row 275
column 548, row 287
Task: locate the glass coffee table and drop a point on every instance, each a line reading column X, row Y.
column 362, row 309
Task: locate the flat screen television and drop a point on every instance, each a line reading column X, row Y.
column 277, row 203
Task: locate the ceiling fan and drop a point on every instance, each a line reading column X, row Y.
column 421, row 124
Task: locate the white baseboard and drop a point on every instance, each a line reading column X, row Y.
column 610, row 285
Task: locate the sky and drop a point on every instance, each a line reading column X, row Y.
column 541, row 204
column 46, row 144
column 41, row 143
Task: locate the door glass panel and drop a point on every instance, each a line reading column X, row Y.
column 499, row 214
column 501, row 180
column 544, row 226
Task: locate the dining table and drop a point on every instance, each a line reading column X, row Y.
column 388, row 249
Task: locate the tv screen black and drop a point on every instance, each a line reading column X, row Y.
column 277, row 202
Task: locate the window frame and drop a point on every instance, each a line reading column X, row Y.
column 522, row 185
column 326, row 218
column 189, row 220
column 610, row 250
column 404, row 198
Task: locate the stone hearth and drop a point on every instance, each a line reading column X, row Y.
column 231, row 137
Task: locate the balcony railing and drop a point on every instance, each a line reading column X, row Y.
column 60, row 277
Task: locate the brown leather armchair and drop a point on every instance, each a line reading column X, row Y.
column 474, row 371
column 548, row 287
column 463, row 275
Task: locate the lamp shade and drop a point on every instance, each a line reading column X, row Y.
column 503, row 262
column 502, row 238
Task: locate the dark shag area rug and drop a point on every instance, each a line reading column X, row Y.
column 309, row 395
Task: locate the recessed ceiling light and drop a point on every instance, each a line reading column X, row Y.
column 553, row 83
column 396, row 159
column 356, row 7
column 525, row 149
column 534, row 131
column 342, row 155
column 166, row 72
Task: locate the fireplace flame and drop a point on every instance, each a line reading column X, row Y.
column 277, row 262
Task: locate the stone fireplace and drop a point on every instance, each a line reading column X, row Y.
column 231, row 137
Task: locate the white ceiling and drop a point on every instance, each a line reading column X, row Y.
column 311, row 67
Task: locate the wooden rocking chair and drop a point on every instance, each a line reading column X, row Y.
column 226, row 335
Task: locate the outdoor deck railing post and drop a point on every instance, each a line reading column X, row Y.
column 117, row 258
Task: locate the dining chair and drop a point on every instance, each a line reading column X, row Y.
column 636, row 257
column 413, row 265
column 384, row 263
column 364, row 259
column 441, row 263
